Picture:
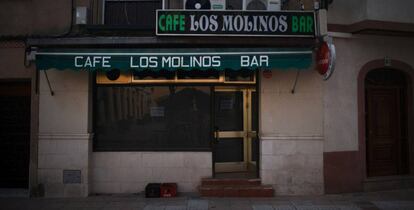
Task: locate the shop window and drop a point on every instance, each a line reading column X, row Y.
column 162, row 75
column 142, row 118
column 137, row 14
column 242, row 76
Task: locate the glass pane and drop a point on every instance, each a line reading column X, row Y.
column 255, row 149
column 254, row 111
column 156, row 117
column 229, row 111
column 198, row 74
column 239, row 76
column 229, row 150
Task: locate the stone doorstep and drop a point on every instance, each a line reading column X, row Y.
column 230, row 182
column 236, row 191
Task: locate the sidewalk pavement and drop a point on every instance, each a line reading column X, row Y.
column 399, row 199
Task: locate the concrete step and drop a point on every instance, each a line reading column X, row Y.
column 230, row 182
column 236, row 190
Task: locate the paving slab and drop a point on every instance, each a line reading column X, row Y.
column 389, row 200
column 197, row 205
column 262, row 207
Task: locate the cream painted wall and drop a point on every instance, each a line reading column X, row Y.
column 287, row 114
column 67, row 110
column 347, row 12
column 340, row 99
column 352, row 11
column 291, row 134
column 64, row 141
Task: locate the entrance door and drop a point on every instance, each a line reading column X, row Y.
column 235, row 114
column 14, row 134
column 387, row 145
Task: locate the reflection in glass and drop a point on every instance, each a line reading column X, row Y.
column 156, row 117
column 229, row 111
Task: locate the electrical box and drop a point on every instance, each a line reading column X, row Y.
column 81, row 15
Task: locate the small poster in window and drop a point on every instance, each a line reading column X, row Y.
column 157, row 111
column 226, row 104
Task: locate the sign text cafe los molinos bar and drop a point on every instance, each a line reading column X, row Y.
column 172, row 59
column 235, row 23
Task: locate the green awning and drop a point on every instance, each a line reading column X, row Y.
column 172, row 59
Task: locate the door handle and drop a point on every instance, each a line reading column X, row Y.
column 216, row 136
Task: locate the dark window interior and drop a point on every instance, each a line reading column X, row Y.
column 134, row 118
column 229, row 111
column 132, row 14
column 198, row 74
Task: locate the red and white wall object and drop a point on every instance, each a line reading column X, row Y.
column 325, row 58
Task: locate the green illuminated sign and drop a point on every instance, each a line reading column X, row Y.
column 235, row 23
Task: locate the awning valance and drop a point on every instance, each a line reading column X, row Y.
column 174, row 59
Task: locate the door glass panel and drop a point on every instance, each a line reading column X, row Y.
column 229, row 150
column 229, row 111
column 255, row 149
column 254, row 111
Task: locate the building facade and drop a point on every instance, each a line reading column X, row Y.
column 367, row 128
column 286, row 126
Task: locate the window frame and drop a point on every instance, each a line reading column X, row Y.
column 158, row 149
column 100, row 80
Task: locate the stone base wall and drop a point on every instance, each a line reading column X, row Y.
column 59, row 152
column 293, row 165
column 130, row 172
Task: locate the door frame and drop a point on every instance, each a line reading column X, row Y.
column 247, row 134
column 33, row 130
column 370, row 92
column 409, row 72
